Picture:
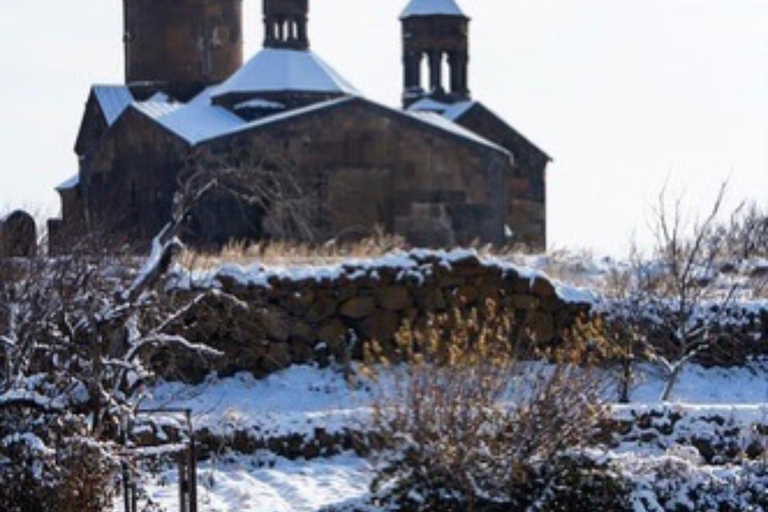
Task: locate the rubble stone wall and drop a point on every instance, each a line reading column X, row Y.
column 328, row 315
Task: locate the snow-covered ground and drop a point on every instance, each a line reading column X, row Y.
column 264, row 483
column 302, row 399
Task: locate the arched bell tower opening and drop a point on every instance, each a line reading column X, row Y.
column 285, row 24
column 435, row 51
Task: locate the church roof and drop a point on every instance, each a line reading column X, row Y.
column 432, row 8
column 283, row 70
column 113, row 100
column 452, row 111
column 433, row 121
column 193, row 123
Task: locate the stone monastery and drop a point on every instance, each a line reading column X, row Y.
column 442, row 170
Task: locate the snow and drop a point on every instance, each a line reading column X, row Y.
column 113, row 100
column 302, row 398
column 410, row 263
column 70, row 183
column 284, row 116
column 260, row 103
column 429, row 118
column 452, row 112
column 294, row 401
column 279, row 70
column 194, row 122
column 429, row 105
column 449, row 126
column 707, row 387
column 160, row 97
column 262, row 483
column 457, row 110
column 432, row 8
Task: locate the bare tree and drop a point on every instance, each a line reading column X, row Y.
column 77, row 335
column 678, row 287
column 262, row 182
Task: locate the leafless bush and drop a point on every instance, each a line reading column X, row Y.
column 77, row 337
column 469, row 422
column 675, row 297
column 261, row 187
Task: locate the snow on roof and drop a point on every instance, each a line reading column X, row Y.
column 278, row 70
column 283, row 116
column 113, row 100
column 193, row 123
column 432, row 8
column 204, row 97
column 70, row 183
column 260, row 103
column 430, row 118
column 428, row 105
column 160, row 97
column 447, row 125
column 451, row 112
column 457, row 110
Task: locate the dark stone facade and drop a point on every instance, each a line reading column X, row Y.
column 183, row 44
column 437, row 178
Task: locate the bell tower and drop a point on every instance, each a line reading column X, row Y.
column 285, row 24
column 435, row 51
column 182, row 46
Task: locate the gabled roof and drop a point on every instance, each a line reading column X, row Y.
column 433, row 121
column 455, row 113
column 449, row 126
column 193, row 123
column 282, row 70
column 432, row 8
column 113, row 100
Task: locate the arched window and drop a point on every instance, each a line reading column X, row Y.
column 425, row 72
column 445, row 72
column 286, row 31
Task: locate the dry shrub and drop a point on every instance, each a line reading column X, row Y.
column 471, row 424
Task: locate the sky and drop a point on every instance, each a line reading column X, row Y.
column 626, row 95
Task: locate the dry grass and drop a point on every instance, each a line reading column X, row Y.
column 278, row 253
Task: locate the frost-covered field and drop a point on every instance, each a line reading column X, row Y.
column 303, row 399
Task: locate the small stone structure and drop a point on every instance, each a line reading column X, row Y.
column 319, row 315
column 18, row 235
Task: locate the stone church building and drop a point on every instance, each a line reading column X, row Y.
column 442, row 170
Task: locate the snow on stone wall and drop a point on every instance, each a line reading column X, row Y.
column 298, row 315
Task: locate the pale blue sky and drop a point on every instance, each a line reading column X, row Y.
column 625, row 94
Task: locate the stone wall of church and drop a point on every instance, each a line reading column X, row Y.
column 366, row 167
column 129, row 182
column 526, row 195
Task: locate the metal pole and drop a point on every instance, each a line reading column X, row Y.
column 183, row 483
column 192, row 465
column 126, row 472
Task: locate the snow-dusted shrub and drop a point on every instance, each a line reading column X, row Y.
column 671, row 483
column 47, row 464
column 471, row 425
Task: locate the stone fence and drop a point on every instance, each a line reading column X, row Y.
column 321, row 314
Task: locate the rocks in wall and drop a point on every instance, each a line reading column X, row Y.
column 327, row 314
